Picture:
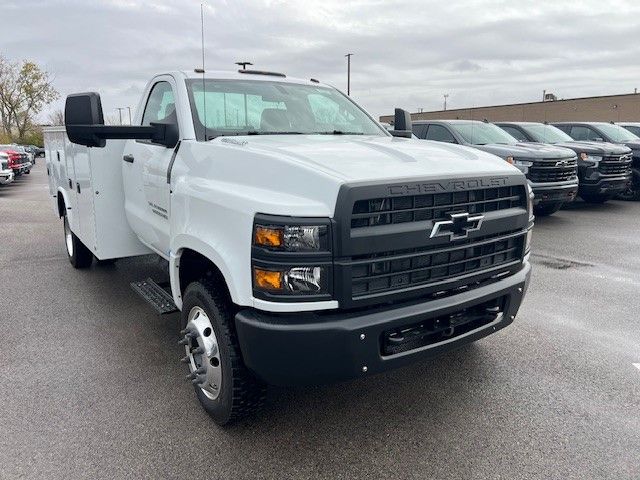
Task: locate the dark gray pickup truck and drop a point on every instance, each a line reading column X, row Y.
column 628, row 166
column 551, row 171
column 602, row 166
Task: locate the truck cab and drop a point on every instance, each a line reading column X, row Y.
column 304, row 243
column 551, row 171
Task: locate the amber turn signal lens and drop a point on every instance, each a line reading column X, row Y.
column 267, row 279
column 268, row 237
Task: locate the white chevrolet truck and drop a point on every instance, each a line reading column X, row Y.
column 304, row 243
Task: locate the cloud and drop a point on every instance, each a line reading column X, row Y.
column 405, row 53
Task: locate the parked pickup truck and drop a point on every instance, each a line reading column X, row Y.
column 602, row 167
column 305, row 244
column 622, row 171
column 6, row 173
column 18, row 161
column 551, row 171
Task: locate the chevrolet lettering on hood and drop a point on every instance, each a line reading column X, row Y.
column 453, row 185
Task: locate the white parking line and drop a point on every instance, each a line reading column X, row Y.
column 637, row 365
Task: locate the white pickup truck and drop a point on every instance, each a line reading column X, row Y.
column 305, row 243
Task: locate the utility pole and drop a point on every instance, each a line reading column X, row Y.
column 348, row 55
column 446, row 95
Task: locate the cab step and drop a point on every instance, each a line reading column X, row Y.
column 157, row 296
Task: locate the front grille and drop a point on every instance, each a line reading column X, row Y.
column 431, row 331
column 612, row 165
column 558, row 170
column 434, row 206
column 392, row 271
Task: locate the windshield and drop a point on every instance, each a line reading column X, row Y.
column 616, row 133
column 547, row 133
column 249, row 107
column 480, row 133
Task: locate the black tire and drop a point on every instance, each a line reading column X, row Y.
column 595, row 198
column 79, row 255
column 241, row 393
column 28, row 172
column 546, row 209
column 633, row 192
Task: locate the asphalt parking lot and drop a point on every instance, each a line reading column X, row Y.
column 91, row 386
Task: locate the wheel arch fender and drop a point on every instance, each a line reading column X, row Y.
column 64, row 206
column 186, row 244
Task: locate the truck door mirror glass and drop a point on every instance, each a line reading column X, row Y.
column 402, row 124
column 82, row 110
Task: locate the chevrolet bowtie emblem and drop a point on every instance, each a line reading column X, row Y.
column 458, row 227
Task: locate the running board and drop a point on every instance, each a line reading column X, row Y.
column 159, row 298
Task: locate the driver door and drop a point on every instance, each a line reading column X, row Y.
column 145, row 165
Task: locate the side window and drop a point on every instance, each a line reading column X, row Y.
column 160, row 105
column 584, row 133
column 440, row 134
column 515, row 132
column 565, row 128
column 633, row 129
column 419, row 130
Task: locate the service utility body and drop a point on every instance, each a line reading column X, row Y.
column 305, row 243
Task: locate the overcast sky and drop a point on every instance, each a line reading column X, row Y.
column 406, row 54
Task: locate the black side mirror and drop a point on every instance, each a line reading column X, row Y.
column 402, row 124
column 84, row 123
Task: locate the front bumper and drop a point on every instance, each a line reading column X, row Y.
column 317, row 348
column 605, row 185
column 6, row 176
column 547, row 193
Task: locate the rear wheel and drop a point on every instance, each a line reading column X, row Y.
column 227, row 390
column 546, row 209
column 79, row 255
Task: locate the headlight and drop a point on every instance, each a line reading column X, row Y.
column 291, row 258
column 594, row 159
column 523, row 165
column 291, row 238
column 293, row 280
column 530, row 197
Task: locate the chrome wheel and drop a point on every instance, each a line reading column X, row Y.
column 203, row 354
column 68, row 236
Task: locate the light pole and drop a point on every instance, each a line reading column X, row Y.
column 120, row 113
column 446, row 95
column 348, row 55
column 244, row 67
column 129, row 108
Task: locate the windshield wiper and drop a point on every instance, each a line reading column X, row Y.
column 337, row 132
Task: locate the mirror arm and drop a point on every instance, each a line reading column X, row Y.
column 116, row 132
column 401, row 133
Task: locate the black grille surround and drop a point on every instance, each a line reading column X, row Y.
column 553, row 170
column 617, row 165
column 394, row 259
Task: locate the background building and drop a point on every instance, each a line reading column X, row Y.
column 609, row 108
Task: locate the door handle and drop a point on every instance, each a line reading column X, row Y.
column 128, row 158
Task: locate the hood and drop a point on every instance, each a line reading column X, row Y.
column 353, row 158
column 596, row 148
column 635, row 145
column 535, row 151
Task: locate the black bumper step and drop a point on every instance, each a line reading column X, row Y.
column 159, row 298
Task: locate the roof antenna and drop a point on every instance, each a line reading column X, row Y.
column 204, row 87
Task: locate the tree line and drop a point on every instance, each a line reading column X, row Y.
column 25, row 89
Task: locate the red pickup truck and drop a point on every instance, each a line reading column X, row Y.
column 18, row 161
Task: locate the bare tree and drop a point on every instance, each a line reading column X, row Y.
column 56, row 117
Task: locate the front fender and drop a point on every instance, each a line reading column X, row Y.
column 178, row 246
column 69, row 211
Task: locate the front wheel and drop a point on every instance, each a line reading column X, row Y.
column 546, row 209
column 595, row 198
column 79, row 255
column 225, row 387
column 633, row 190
